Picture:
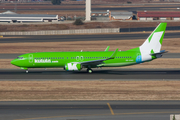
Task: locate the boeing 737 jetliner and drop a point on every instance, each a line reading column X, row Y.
column 75, row 61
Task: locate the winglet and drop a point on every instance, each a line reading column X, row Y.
column 114, row 54
column 107, row 49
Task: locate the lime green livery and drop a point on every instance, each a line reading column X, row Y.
column 75, row 61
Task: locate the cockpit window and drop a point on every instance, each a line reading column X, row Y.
column 19, row 57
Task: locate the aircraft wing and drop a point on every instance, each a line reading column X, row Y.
column 97, row 62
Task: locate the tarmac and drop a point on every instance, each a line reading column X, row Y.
column 98, row 74
column 88, row 110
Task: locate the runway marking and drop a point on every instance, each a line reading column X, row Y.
column 110, row 108
column 97, row 115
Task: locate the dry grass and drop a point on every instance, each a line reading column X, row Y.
column 89, row 90
column 158, row 63
column 171, row 45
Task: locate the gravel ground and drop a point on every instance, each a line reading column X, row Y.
column 89, row 90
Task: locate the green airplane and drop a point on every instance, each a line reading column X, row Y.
column 75, row 61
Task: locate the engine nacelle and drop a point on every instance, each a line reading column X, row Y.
column 73, row 67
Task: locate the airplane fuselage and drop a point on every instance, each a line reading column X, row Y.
column 60, row 59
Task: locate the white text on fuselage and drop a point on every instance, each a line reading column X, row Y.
column 43, row 61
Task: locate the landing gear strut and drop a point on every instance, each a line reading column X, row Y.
column 89, row 70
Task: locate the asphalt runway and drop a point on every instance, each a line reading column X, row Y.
column 68, row 38
column 98, row 74
column 88, row 110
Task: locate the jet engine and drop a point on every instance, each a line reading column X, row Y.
column 73, row 67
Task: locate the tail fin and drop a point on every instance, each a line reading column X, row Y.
column 153, row 42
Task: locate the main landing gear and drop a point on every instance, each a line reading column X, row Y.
column 26, row 71
column 89, row 70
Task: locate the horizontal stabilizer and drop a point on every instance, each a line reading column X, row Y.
column 161, row 52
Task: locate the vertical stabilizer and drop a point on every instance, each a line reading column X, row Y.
column 153, row 42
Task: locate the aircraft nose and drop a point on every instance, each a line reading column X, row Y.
column 14, row 62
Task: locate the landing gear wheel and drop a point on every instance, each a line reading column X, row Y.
column 89, row 70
